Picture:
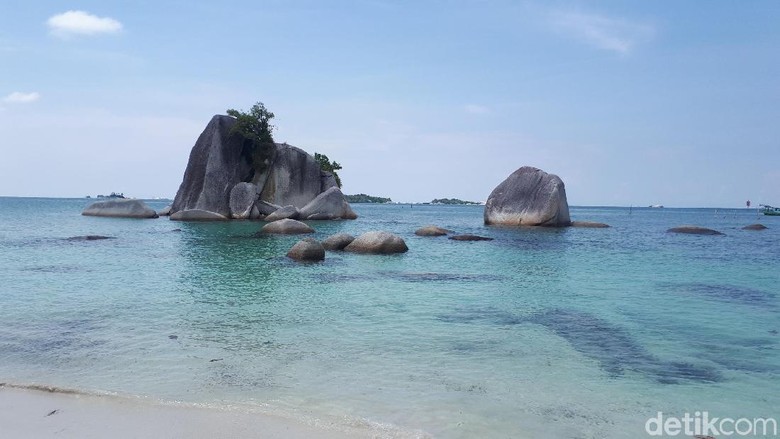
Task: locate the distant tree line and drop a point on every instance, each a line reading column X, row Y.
column 451, row 201
column 363, row 198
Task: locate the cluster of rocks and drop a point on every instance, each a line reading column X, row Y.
column 434, row 231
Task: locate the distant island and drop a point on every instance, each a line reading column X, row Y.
column 452, row 201
column 363, row 198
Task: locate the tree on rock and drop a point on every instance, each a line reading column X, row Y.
column 254, row 125
column 328, row 166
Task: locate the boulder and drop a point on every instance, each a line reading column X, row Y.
column 197, row 215
column 329, row 205
column 377, row 242
column 242, row 200
column 286, row 227
column 307, row 250
column 470, row 238
column 589, row 225
column 528, row 197
column 694, row 230
column 266, row 208
column 120, row 208
column 283, row 213
column 431, row 231
column 165, row 211
column 755, row 227
column 337, row 242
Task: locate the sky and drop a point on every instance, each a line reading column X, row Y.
column 629, row 102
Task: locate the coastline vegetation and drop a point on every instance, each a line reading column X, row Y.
column 363, row 198
column 328, row 166
column 452, row 201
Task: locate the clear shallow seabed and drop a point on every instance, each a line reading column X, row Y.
column 570, row 333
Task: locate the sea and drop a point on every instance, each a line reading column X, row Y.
column 539, row 333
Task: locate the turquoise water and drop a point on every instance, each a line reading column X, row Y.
column 573, row 333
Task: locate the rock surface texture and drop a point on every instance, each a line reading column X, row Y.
column 197, row 215
column 377, row 242
column 329, row 205
column 226, row 173
column 120, row 208
column 285, row 212
column 528, row 197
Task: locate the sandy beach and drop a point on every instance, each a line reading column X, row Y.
column 38, row 413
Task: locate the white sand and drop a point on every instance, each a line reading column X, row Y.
column 26, row 413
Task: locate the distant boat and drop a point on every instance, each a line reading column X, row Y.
column 657, row 206
column 771, row 211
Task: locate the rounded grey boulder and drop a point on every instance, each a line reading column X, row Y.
column 694, row 230
column 307, row 250
column 337, row 242
column 197, row 215
column 242, row 200
column 328, row 205
column 431, row 231
column 377, row 242
column 286, row 227
column 120, row 208
column 283, row 213
column 528, row 197
column 755, row 227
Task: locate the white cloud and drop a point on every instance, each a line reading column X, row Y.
column 476, row 109
column 606, row 33
column 81, row 23
column 18, row 97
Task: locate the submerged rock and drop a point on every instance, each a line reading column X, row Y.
column 470, row 238
column 89, row 238
column 337, row 242
column 120, row 208
column 329, row 205
column 283, row 213
column 694, row 230
column 431, row 231
column 755, row 227
column 528, row 197
column 377, row 242
column 197, row 215
column 286, row 227
column 307, row 249
column 589, row 225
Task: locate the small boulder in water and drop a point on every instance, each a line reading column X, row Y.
column 120, row 208
column 377, row 242
column 337, row 242
column 89, row 238
column 286, row 227
column 197, row 215
column 307, row 250
column 431, row 230
column 755, row 227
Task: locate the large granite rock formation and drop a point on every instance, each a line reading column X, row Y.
column 120, row 208
column 222, row 165
column 528, row 197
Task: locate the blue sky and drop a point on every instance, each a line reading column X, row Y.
column 630, row 103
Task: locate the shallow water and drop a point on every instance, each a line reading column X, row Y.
column 572, row 333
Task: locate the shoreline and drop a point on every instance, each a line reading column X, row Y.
column 43, row 411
